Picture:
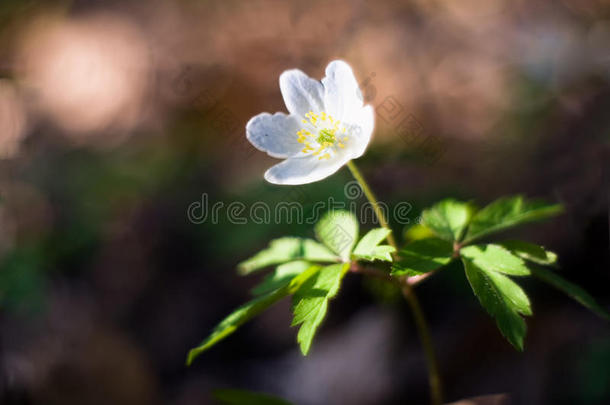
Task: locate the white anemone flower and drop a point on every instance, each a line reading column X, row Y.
column 328, row 126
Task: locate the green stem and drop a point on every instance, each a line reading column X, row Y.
column 434, row 375
column 409, row 294
column 372, row 199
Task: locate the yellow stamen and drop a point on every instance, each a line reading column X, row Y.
column 324, row 138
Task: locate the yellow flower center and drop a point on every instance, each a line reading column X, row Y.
column 322, row 135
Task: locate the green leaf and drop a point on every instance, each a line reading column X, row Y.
column 285, row 250
column 236, row 319
column 383, row 253
column 310, row 301
column 246, row 312
column 369, row 249
column 281, row 276
column 502, row 298
column 338, row 230
column 508, row 212
column 369, row 241
column 574, row 291
column 530, row 252
column 448, row 219
column 495, row 258
column 243, row 397
column 423, row 256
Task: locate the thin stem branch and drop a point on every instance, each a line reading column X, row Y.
column 434, row 375
column 423, row 330
column 374, row 272
column 372, row 199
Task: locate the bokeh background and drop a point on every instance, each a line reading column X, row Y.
column 116, row 116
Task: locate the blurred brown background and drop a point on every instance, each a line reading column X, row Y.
column 115, row 116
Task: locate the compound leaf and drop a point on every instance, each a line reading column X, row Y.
column 508, row 212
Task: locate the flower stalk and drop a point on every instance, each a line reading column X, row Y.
column 434, row 379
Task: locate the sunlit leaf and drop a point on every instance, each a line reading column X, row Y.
column 530, row 252
column 448, row 219
column 380, row 253
column 369, row 241
column 502, row 298
column 310, row 301
column 495, row 258
column 338, row 230
column 246, row 312
column 281, row 276
column 383, row 253
column 285, row 250
column 369, row 249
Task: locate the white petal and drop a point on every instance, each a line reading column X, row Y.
column 342, row 97
column 361, row 130
column 301, row 93
column 275, row 134
column 303, row 170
